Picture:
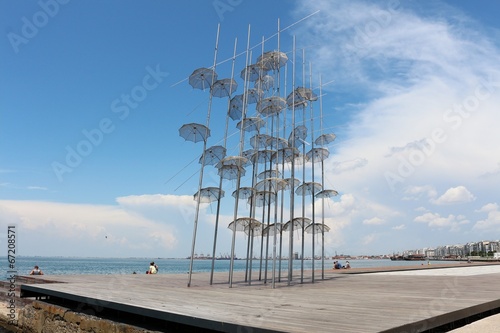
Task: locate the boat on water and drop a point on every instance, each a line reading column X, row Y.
column 409, row 257
column 415, row 257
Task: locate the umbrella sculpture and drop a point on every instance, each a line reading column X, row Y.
column 251, row 124
column 265, row 83
column 194, row 132
column 223, row 87
column 213, row 155
column 236, row 107
column 202, row 78
column 273, row 151
column 272, row 60
column 253, row 72
column 317, row 154
column 325, row 139
column 209, row 194
column 269, row 173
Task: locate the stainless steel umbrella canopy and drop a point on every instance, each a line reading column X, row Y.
column 244, row 222
column 277, row 143
column 236, row 107
column 318, row 154
column 194, row 132
column 263, row 198
column 251, row 124
column 253, row 72
column 271, row 184
column 272, row 60
column 298, row 222
column 259, row 141
column 231, row 172
column 271, row 105
column 244, row 193
column 326, row 194
column 325, row 139
column 213, row 155
column 299, row 134
column 308, row 188
column 209, row 194
column 269, row 173
column 254, row 95
column 265, row 83
column 223, row 88
column 263, row 156
column 202, row 78
column 232, row 160
column 317, row 228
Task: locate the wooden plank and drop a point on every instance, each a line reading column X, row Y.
column 341, row 303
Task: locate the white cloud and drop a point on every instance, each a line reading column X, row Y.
column 374, row 221
column 492, row 221
column 455, row 195
column 416, row 192
column 399, row 227
column 44, row 226
column 434, row 220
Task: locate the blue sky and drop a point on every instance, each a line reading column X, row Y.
column 412, row 94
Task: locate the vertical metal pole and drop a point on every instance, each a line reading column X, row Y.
column 200, row 182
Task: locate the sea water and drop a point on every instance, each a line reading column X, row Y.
column 72, row 265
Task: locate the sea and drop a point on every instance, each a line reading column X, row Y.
column 76, row 265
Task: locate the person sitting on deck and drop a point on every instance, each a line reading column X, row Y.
column 347, row 265
column 337, row 265
column 36, row 271
column 152, row 268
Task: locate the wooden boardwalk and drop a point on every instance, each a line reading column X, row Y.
column 346, row 301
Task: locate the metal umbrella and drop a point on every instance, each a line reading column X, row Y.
column 271, row 184
column 326, row 194
column 253, row 72
column 236, row 107
column 202, row 78
column 287, row 155
column 289, row 182
column 298, row 222
column 277, row 143
column 308, row 188
column 318, row 154
column 194, row 132
column 270, row 229
column 251, row 124
column 272, row 60
column 223, row 87
column 254, row 95
column 265, row 83
column 213, row 155
column 263, row 156
column 231, row 172
column 260, row 141
column 232, row 160
column 244, row 193
column 297, row 137
column 248, row 155
column 317, row 228
column 263, row 198
column 325, row 139
column 244, row 222
column 209, row 194
column 269, row 174
column 271, row 105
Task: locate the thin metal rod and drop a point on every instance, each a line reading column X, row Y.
column 200, row 183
